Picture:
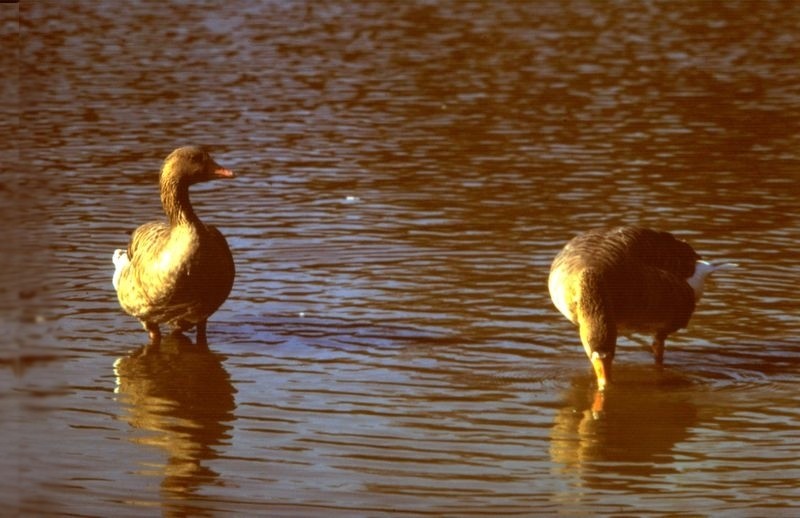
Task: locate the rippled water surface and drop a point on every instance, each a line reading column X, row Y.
column 405, row 174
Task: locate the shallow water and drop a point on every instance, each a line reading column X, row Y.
column 405, row 175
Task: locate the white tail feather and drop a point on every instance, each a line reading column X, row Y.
column 120, row 260
column 702, row 270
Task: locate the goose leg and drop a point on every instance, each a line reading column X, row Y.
column 658, row 347
column 201, row 334
column 155, row 337
column 153, row 332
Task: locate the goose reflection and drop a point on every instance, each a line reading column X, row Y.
column 181, row 396
column 617, row 438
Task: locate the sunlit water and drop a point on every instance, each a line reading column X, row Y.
column 405, row 174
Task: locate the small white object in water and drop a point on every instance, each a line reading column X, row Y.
column 351, row 199
column 301, row 314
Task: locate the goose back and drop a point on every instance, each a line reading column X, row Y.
column 637, row 274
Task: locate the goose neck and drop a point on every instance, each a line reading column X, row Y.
column 176, row 204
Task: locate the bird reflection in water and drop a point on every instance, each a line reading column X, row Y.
column 181, row 397
column 618, row 438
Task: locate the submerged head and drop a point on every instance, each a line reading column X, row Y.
column 190, row 165
column 601, row 362
column 702, row 270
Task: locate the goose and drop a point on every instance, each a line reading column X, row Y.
column 178, row 271
column 625, row 280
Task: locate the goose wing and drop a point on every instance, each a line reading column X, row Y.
column 650, row 299
column 148, row 239
column 143, row 288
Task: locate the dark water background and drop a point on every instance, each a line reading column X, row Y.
column 406, row 173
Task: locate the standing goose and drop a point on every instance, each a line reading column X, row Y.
column 623, row 280
column 180, row 271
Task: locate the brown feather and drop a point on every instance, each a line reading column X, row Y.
column 179, row 272
column 623, row 280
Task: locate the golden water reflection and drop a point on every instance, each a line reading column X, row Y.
column 627, row 434
column 180, row 399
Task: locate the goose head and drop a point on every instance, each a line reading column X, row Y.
column 189, row 165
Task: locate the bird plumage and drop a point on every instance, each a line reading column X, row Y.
column 177, row 272
column 625, row 280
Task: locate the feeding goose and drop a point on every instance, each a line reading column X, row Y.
column 180, row 271
column 623, row 280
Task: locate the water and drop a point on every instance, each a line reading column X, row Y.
column 406, row 173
